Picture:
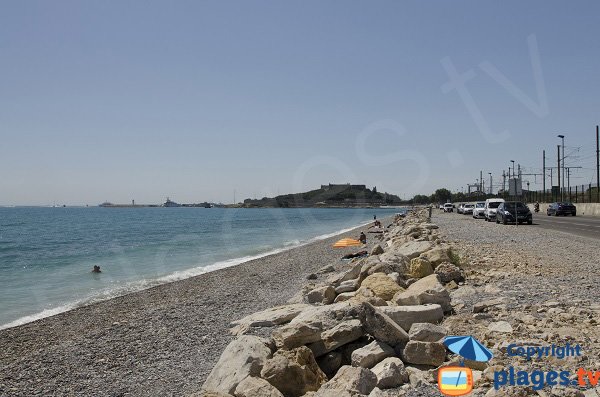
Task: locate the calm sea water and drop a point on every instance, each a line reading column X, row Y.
column 46, row 254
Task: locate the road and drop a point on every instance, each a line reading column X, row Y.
column 588, row 226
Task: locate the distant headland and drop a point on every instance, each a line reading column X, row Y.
column 330, row 195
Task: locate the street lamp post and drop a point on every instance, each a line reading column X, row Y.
column 490, row 182
column 562, row 137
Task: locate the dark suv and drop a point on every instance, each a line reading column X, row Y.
column 557, row 209
column 513, row 211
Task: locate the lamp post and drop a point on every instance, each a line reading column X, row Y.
column 490, row 182
column 562, row 137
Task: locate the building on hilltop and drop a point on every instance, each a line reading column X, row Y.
column 333, row 186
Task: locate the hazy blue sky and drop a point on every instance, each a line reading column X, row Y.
column 121, row 100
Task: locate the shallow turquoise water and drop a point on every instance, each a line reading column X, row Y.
column 46, row 254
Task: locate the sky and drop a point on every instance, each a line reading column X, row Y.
column 211, row 100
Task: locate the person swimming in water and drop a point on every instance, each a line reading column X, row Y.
column 96, row 269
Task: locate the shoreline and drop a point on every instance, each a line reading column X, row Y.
column 172, row 277
column 164, row 339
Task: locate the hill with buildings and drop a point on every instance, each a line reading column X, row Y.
column 331, row 195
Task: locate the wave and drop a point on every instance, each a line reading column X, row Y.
column 136, row 286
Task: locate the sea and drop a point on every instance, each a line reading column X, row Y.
column 47, row 254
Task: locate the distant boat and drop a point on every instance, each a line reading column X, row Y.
column 170, row 203
column 106, row 204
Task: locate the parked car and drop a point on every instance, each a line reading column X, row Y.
column 513, row 211
column 490, row 208
column 479, row 210
column 468, row 209
column 448, row 207
column 557, row 209
column 459, row 210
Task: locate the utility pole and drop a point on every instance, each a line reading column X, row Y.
column 503, row 181
column 597, row 168
column 490, row 182
column 559, row 189
column 543, row 174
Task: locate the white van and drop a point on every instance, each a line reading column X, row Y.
column 490, row 208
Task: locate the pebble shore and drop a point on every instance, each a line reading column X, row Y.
column 165, row 340
column 158, row 342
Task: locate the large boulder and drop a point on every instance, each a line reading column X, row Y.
column 343, row 333
column 381, row 326
column 381, row 285
column 390, row 373
column 377, row 250
column 349, row 381
column 297, row 334
column 371, row 354
column 347, row 286
column 413, row 249
column 268, row 318
column 366, row 295
column 426, row 332
column 438, row 255
column 325, row 295
column 244, row 356
column 449, row 272
column 406, row 316
column 419, row 268
column 293, row 372
column 252, row 387
column 424, row 353
column 426, row 290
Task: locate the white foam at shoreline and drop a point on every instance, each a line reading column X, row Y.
column 137, row 286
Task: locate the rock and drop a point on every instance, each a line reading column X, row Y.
column 297, row 334
column 397, row 262
column 406, row 316
column 330, row 363
column 419, row 268
column 352, row 273
column 344, row 296
column 386, row 268
column 418, row 377
column 377, row 250
column 326, row 269
column 244, row 356
column 293, row 372
column 381, row 285
column 425, row 332
column 268, row 318
column 437, row 255
column 390, row 373
column 381, row 326
column 312, row 276
column 252, row 387
column 371, row 354
column 366, row 295
column 449, row 272
column 349, row 381
column 210, row 394
column 343, row 333
column 426, row 290
column 424, row 353
column 325, row 295
column 347, row 286
column 501, row 327
column 377, row 392
column 484, row 305
column 413, row 249
column 325, row 317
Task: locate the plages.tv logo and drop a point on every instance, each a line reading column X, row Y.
column 458, row 380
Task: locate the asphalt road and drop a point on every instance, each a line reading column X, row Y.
column 588, row 226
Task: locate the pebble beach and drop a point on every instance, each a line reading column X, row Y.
column 522, row 284
column 161, row 341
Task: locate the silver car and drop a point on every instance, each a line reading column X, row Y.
column 479, row 210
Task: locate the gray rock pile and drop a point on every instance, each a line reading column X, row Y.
column 367, row 330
